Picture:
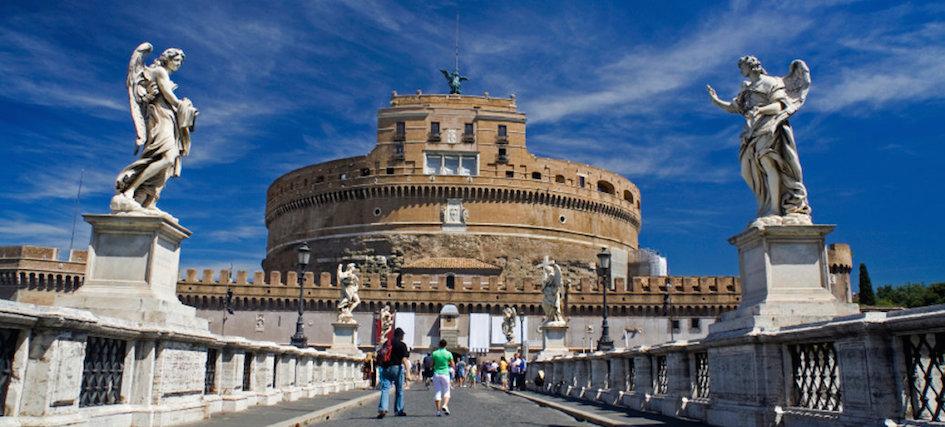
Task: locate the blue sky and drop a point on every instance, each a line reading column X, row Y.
column 616, row 84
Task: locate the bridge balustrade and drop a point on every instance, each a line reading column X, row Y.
column 66, row 364
column 854, row 370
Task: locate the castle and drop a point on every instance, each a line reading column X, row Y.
column 450, row 208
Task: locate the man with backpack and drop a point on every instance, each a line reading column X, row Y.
column 392, row 358
column 427, row 370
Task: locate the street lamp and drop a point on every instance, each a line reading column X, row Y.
column 299, row 339
column 603, row 272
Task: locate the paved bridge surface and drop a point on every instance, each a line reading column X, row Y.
column 477, row 406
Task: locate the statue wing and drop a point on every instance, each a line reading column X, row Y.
column 558, row 281
column 462, row 78
column 446, row 74
column 136, row 92
column 797, row 84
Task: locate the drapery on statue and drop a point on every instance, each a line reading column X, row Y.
column 387, row 322
column 454, row 80
column 552, row 288
column 768, row 153
column 349, row 283
column 163, row 124
column 508, row 323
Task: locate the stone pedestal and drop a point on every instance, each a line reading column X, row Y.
column 509, row 350
column 344, row 338
column 553, row 341
column 784, row 280
column 132, row 271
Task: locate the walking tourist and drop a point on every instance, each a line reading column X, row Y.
column 442, row 362
column 427, row 370
column 514, row 370
column 392, row 358
column 473, row 374
column 522, row 372
column 368, row 370
column 460, row 373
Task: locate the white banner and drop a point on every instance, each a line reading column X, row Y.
column 479, row 332
column 406, row 322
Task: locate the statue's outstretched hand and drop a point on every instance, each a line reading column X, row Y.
column 712, row 93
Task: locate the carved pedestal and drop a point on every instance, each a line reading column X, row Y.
column 344, row 338
column 132, row 271
column 784, row 280
column 553, row 341
column 509, row 350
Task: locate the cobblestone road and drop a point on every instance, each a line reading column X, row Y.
column 469, row 407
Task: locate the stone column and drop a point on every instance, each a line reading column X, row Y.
column 53, row 374
column 231, row 379
column 642, row 382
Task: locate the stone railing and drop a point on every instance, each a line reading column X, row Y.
column 61, row 366
column 866, row 369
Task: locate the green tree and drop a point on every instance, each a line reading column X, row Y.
column 866, row 287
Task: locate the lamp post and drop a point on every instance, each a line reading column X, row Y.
column 603, row 272
column 299, row 340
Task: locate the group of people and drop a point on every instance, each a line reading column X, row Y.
column 392, row 368
column 508, row 374
column 394, row 371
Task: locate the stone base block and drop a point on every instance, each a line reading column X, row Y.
column 784, row 280
column 509, row 349
column 270, row 397
column 344, row 338
column 553, row 341
column 235, row 402
column 132, row 272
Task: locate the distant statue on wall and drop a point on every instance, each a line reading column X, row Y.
column 454, row 80
column 508, row 323
column 350, row 283
column 552, row 288
column 163, row 124
column 768, row 153
column 387, row 322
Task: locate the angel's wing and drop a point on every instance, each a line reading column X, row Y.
column 340, row 273
column 557, row 274
column 446, row 74
column 797, row 83
column 135, row 88
column 462, row 79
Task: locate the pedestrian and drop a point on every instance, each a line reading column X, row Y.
column 523, row 372
column 504, row 373
column 514, row 366
column 392, row 358
column 460, row 373
column 427, row 370
column 408, row 368
column 367, row 370
column 473, row 375
column 442, row 363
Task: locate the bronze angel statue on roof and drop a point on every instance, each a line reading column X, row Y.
column 454, row 80
column 163, row 124
column 768, row 153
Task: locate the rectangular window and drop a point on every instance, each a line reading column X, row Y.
column 503, row 131
column 675, row 325
column 435, row 128
column 510, row 174
column 694, row 323
column 451, row 164
column 468, row 130
column 390, row 171
column 433, row 164
column 401, row 128
column 581, row 180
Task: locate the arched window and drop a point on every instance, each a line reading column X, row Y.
column 605, row 187
column 450, row 281
column 559, row 179
column 628, row 196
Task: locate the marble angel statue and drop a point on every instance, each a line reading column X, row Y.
column 350, row 283
column 387, row 322
column 552, row 288
column 163, row 124
column 508, row 323
column 768, row 153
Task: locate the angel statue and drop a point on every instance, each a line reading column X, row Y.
column 163, row 124
column 387, row 322
column 508, row 323
column 768, row 152
column 454, row 80
column 552, row 288
column 350, row 283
